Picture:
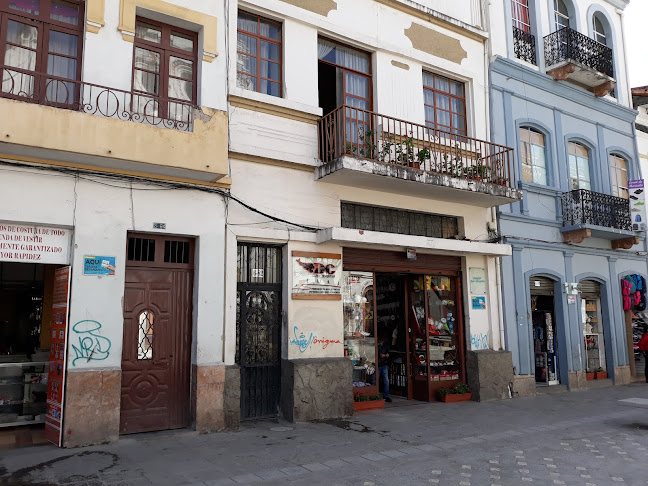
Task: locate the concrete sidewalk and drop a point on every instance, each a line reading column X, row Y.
column 582, row 438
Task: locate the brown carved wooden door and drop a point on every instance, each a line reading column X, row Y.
column 156, row 356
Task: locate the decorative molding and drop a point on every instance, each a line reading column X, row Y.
column 625, row 243
column 401, row 65
column 437, row 18
column 95, row 15
column 256, row 159
column 436, row 43
column 271, row 109
column 128, row 11
column 320, row 7
column 576, row 236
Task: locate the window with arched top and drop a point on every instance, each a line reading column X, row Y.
column 145, row 320
column 561, row 14
column 619, row 172
column 579, row 166
column 533, row 156
column 599, row 30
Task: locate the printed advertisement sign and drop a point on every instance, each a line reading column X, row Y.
column 34, row 244
column 57, row 356
column 316, row 276
column 479, row 303
column 637, row 196
column 477, row 281
column 98, row 265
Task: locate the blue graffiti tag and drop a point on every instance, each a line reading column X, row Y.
column 301, row 341
column 479, row 341
column 91, row 346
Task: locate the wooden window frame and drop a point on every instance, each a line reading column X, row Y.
column 166, row 50
column 258, row 37
column 433, row 123
column 518, row 6
column 368, row 75
column 44, row 25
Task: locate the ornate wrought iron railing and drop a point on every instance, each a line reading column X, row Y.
column 524, row 45
column 364, row 134
column 45, row 89
column 587, row 207
column 567, row 44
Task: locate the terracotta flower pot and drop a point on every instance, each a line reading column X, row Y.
column 590, row 376
column 601, row 375
column 370, row 405
column 456, row 397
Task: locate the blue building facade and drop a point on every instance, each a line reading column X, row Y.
column 559, row 95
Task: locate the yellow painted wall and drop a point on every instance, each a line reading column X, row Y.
column 202, row 154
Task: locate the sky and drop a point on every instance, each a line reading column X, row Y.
column 636, row 15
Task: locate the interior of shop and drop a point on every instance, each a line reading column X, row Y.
column 25, row 314
column 544, row 335
column 417, row 315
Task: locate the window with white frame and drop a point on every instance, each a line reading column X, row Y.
column 520, row 15
column 561, row 14
column 579, row 167
column 533, row 156
column 619, row 172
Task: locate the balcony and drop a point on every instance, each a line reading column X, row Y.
column 59, row 121
column 570, row 55
column 592, row 214
column 524, row 46
column 360, row 148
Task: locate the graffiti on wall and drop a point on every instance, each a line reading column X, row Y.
column 91, row 345
column 304, row 342
column 479, row 341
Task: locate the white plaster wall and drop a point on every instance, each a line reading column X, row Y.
column 101, row 211
column 642, row 140
column 108, row 58
column 366, row 25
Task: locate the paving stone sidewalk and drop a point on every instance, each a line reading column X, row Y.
column 580, row 438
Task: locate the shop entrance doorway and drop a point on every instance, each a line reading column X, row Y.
column 258, row 329
column 544, row 334
column 156, row 357
column 25, row 316
column 417, row 308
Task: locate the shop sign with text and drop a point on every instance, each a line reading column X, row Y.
column 34, row 244
column 637, row 204
column 98, row 265
column 316, row 275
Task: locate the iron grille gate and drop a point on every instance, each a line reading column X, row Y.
column 258, row 329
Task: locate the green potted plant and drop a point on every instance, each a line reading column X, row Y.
column 590, row 375
column 368, row 402
column 601, row 374
column 458, row 393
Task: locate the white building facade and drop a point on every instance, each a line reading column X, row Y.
column 360, row 129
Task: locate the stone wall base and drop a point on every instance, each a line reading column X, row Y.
column 577, row 380
column 524, row 386
column 92, row 407
column 622, row 375
column 232, row 397
column 490, row 374
column 208, row 387
column 316, row 389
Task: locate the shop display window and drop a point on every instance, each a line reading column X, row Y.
column 359, row 326
column 593, row 334
column 24, row 342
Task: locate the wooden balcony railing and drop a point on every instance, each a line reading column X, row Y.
column 45, row 89
column 349, row 131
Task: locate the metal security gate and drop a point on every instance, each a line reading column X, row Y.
column 258, row 329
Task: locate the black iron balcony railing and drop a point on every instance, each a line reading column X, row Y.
column 568, row 45
column 350, row 131
column 586, row 207
column 48, row 90
column 524, row 45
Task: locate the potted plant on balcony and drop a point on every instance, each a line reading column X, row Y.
column 458, row 393
column 368, row 402
column 601, row 374
column 590, row 375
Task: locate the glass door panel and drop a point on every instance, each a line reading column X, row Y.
column 444, row 344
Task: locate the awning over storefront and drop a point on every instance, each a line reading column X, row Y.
column 360, row 238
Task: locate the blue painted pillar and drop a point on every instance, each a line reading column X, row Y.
column 562, row 166
column 523, row 327
column 603, row 184
column 573, row 326
column 616, row 318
